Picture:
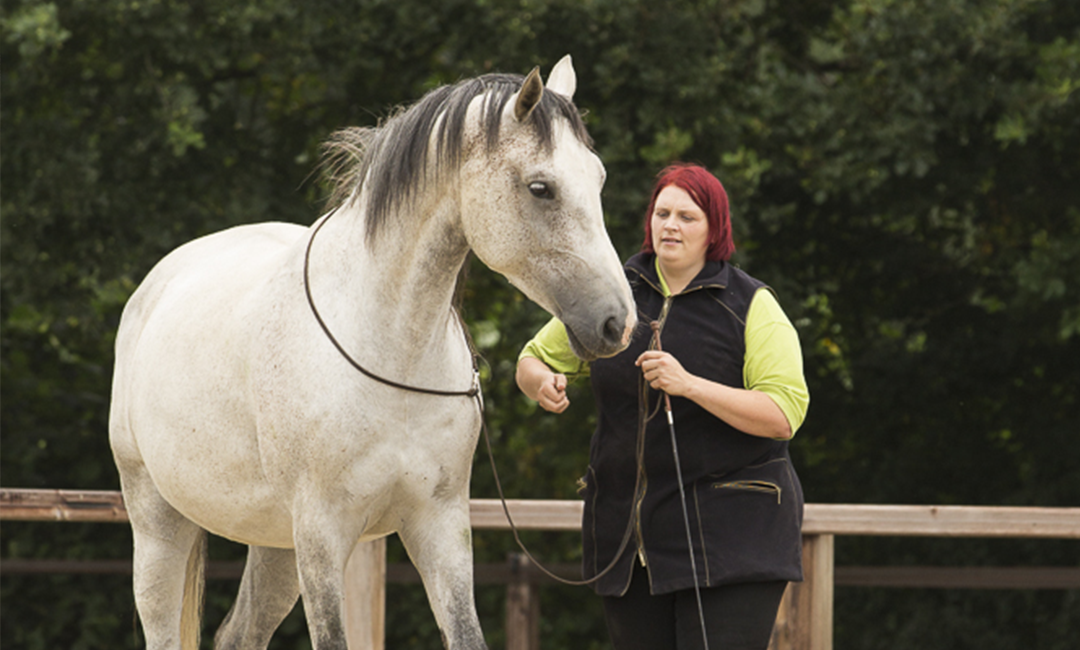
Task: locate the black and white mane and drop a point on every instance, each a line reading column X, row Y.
column 389, row 160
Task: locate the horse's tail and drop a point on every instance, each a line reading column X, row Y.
column 194, row 584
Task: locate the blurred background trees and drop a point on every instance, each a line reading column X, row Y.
column 903, row 172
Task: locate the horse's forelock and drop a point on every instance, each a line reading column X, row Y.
column 390, row 160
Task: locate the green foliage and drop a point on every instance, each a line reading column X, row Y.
column 903, row 172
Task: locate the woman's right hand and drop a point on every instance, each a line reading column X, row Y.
column 552, row 394
column 538, row 382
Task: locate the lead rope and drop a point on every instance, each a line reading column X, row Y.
column 473, row 392
column 514, row 529
column 682, row 500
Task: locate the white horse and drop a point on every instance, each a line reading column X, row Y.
column 234, row 412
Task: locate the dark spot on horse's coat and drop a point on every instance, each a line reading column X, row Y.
column 442, row 488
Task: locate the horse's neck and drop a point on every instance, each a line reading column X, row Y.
column 392, row 296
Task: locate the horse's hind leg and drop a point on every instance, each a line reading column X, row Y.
column 168, row 567
column 268, row 592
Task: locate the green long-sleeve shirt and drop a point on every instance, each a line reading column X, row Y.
column 773, row 362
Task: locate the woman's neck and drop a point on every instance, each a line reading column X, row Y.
column 678, row 278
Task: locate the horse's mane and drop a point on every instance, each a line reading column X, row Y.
column 390, row 160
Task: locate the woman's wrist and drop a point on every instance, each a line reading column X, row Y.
column 531, row 375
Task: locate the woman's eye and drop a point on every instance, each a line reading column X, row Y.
column 541, row 190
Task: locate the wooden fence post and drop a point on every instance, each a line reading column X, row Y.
column 365, row 596
column 522, row 606
column 805, row 619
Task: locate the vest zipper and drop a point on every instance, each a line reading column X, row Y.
column 662, row 318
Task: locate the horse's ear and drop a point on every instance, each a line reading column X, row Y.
column 529, row 95
column 563, row 79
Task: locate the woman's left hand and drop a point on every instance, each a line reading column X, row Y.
column 664, row 372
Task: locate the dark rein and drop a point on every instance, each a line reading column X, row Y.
column 474, row 393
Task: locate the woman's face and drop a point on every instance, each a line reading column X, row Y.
column 680, row 230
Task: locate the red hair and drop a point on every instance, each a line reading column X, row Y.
column 709, row 195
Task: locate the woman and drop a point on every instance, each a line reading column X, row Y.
column 732, row 366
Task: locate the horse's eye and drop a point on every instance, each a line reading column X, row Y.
column 541, row 190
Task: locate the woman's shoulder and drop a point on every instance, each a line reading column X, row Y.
column 737, row 275
column 765, row 308
column 640, row 263
column 734, row 288
column 641, row 272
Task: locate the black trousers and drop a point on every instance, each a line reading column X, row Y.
column 737, row 617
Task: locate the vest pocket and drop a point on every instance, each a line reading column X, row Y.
column 750, row 523
column 766, row 487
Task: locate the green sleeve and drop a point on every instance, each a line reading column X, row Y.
column 774, row 363
column 552, row 346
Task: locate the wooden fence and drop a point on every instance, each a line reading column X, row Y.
column 806, row 613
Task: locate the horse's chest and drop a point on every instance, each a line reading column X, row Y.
column 375, row 430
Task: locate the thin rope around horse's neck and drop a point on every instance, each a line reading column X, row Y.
column 474, row 391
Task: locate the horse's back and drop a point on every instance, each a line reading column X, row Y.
column 180, row 402
column 214, row 273
column 210, row 260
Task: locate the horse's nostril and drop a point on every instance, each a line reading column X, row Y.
column 613, row 331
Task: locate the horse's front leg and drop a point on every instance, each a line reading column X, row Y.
column 438, row 538
column 322, row 549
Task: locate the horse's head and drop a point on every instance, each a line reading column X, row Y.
column 512, row 162
column 531, row 210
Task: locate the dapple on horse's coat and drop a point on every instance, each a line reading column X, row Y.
column 233, row 413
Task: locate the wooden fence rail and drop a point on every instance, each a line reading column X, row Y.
column 501, row 573
column 805, row 618
column 565, row 515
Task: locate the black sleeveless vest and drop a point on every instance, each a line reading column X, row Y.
column 743, row 496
